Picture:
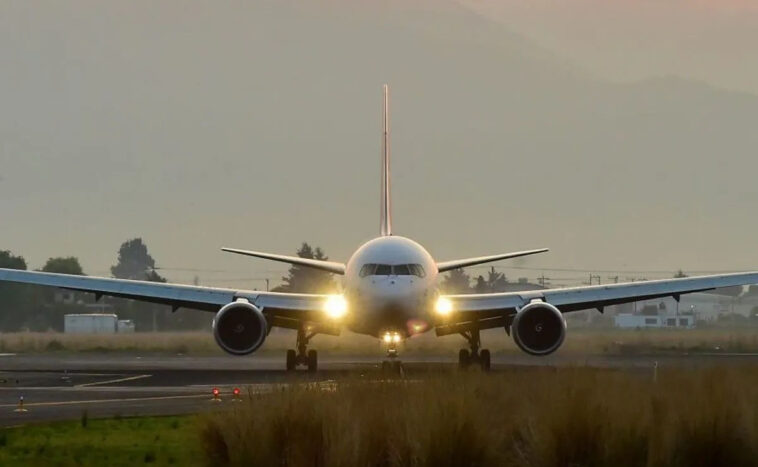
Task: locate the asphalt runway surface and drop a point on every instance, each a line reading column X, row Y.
column 59, row 387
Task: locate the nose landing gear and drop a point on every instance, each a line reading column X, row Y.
column 303, row 356
column 474, row 356
column 392, row 365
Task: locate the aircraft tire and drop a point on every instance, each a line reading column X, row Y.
column 484, row 359
column 312, row 361
column 291, row 360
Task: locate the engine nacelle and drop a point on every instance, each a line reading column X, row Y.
column 539, row 328
column 240, row 328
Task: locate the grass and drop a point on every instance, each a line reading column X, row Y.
column 534, row 417
column 566, row 417
column 579, row 341
column 112, row 442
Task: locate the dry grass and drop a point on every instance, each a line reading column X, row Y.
column 575, row 416
column 35, row 342
column 578, row 342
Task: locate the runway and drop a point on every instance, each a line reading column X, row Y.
column 63, row 386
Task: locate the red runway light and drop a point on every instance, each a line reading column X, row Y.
column 215, row 391
column 236, row 391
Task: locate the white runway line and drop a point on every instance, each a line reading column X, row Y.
column 102, row 401
column 120, row 380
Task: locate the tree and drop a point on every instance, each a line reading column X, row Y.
column 303, row 279
column 8, row 261
column 495, row 282
column 60, row 265
column 15, row 303
column 456, row 282
column 481, row 285
column 680, row 274
column 134, row 262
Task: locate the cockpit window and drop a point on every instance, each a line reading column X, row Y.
column 368, row 270
column 401, row 270
column 383, row 270
column 417, row 270
column 372, row 269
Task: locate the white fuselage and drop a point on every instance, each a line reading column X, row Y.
column 390, row 285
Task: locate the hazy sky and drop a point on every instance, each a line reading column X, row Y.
column 198, row 125
column 710, row 40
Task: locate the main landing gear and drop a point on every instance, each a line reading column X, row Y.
column 475, row 356
column 302, row 356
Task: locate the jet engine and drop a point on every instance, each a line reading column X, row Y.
column 240, row 328
column 539, row 328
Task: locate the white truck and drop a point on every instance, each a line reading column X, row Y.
column 90, row 323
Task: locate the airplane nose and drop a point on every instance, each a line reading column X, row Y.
column 392, row 288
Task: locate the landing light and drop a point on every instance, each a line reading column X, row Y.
column 390, row 337
column 335, row 306
column 443, row 306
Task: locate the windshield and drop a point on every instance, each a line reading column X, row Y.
column 372, row 269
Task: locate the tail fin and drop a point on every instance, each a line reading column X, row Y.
column 386, row 207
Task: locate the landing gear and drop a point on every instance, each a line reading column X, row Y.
column 392, row 365
column 474, row 356
column 312, row 361
column 302, row 356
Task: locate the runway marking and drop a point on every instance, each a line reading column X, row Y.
column 120, row 380
column 103, row 401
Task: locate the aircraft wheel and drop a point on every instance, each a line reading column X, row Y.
column 291, row 360
column 385, row 366
column 312, row 360
column 484, row 359
column 464, row 358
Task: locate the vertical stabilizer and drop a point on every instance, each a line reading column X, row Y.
column 386, row 206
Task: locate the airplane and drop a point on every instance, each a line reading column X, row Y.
column 390, row 291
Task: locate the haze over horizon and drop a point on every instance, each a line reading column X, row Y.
column 257, row 125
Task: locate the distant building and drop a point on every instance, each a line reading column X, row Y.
column 522, row 285
column 125, row 326
column 630, row 320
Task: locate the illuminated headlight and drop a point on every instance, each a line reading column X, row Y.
column 335, row 306
column 392, row 337
column 443, row 306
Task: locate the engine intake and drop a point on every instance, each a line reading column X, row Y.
column 240, row 328
column 539, row 328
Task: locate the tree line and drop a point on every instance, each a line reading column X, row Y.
column 25, row 307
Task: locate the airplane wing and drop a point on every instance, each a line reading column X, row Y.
column 283, row 309
column 484, row 311
column 462, row 263
column 330, row 266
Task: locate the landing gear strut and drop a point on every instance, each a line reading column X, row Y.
column 302, row 356
column 392, row 364
column 475, row 356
